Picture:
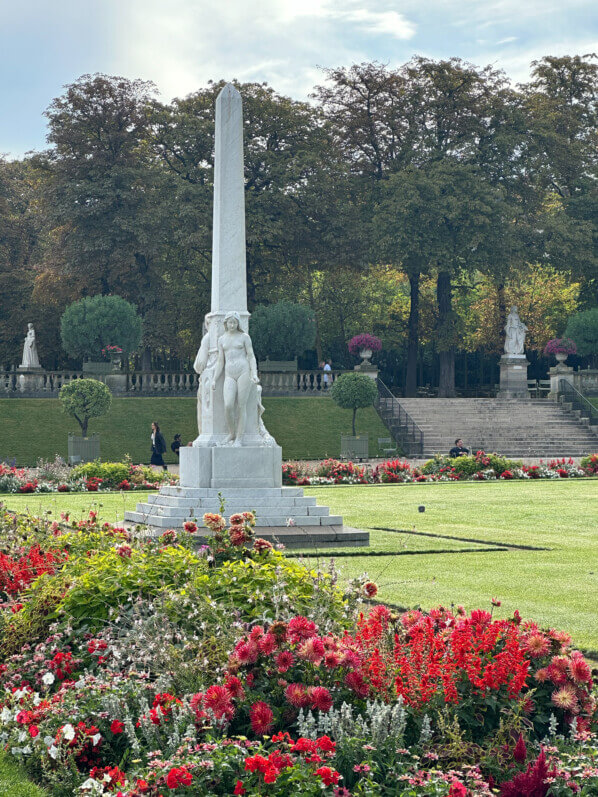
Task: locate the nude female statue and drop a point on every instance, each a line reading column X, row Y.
column 236, row 358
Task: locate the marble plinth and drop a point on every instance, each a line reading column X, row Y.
column 513, row 376
column 231, row 467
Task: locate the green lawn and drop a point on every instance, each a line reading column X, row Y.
column 14, row 782
column 306, row 428
column 557, row 587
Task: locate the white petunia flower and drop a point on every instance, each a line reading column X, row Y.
column 53, row 752
column 6, row 714
column 48, row 679
column 96, row 738
column 68, row 732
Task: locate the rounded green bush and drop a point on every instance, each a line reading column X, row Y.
column 85, row 399
column 282, row 331
column 353, row 391
column 92, row 323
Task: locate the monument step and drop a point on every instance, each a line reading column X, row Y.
column 161, row 522
column 299, row 537
column 261, row 512
column 249, row 503
column 240, row 492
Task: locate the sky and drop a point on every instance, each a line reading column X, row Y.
column 181, row 44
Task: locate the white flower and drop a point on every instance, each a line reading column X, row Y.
column 22, row 736
column 6, row 714
column 68, row 732
column 290, row 521
column 20, row 693
column 80, row 683
column 37, row 700
column 48, row 740
column 53, row 752
column 96, row 738
column 48, row 679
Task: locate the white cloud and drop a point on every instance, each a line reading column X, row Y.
column 508, row 40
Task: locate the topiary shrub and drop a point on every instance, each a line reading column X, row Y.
column 583, row 329
column 91, row 324
column 282, row 331
column 353, row 391
column 85, row 399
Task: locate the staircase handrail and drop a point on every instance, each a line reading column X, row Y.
column 404, row 418
column 573, row 395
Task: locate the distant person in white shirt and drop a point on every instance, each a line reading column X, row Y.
column 327, row 368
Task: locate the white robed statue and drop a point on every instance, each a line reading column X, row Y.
column 515, row 331
column 30, row 358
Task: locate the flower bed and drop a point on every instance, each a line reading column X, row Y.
column 52, row 477
column 146, row 667
column 477, row 467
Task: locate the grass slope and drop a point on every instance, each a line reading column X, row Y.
column 306, row 428
column 557, row 587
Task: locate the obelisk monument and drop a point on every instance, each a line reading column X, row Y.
column 234, row 458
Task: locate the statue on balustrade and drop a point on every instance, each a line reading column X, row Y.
column 30, row 358
column 515, row 331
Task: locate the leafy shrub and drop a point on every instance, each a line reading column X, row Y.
column 583, row 329
column 590, row 463
column 468, row 465
column 111, row 473
column 282, row 331
column 354, row 391
column 94, row 322
column 85, row 399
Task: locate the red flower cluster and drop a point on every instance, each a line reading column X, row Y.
column 17, row 574
column 28, row 487
column 393, row 472
column 178, row 776
column 93, row 483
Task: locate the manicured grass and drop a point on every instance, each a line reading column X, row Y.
column 14, row 782
column 557, row 587
column 306, row 428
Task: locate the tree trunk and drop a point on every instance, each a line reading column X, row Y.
column 354, row 416
column 84, row 426
column 446, row 353
column 413, row 336
column 146, row 361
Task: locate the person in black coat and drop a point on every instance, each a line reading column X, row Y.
column 158, row 446
column 458, row 449
column 176, row 444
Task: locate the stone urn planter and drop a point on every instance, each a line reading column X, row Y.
column 366, row 356
column 561, row 356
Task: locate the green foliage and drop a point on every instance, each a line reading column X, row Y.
column 282, row 331
column 85, row 399
column 112, row 579
column 111, row 473
column 92, row 323
column 257, row 589
column 470, row 464
column 353, row 391
column 583, row 329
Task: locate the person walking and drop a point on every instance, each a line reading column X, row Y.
column 158, row 446
column 327, row 368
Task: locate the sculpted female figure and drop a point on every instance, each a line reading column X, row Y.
column 30, row 358
column 515, row 331
column 236, row 358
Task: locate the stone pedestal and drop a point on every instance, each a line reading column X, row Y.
column 556, row 373
column 30, row 380
column 230, row 467
column 117, row 382
column 513, row 376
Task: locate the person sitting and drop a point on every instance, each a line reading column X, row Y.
column 176, row 444
column 458, row 450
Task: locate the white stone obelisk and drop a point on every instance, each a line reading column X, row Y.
column 229, row 272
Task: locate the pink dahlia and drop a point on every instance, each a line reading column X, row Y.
column 261, row 717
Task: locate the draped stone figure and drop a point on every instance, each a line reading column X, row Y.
column 515, row 331
column 30, row 358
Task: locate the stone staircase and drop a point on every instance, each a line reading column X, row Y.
column 283, row 514
column 515, row 428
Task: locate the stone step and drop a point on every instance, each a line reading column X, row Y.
column 298, row 536
column 231, row 505
column 159, row 521
column 199, row 511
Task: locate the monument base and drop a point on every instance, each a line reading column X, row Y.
column 245, row 479
column 513, row 377
column 231, row 467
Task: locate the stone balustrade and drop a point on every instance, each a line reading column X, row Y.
column 47, row 384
